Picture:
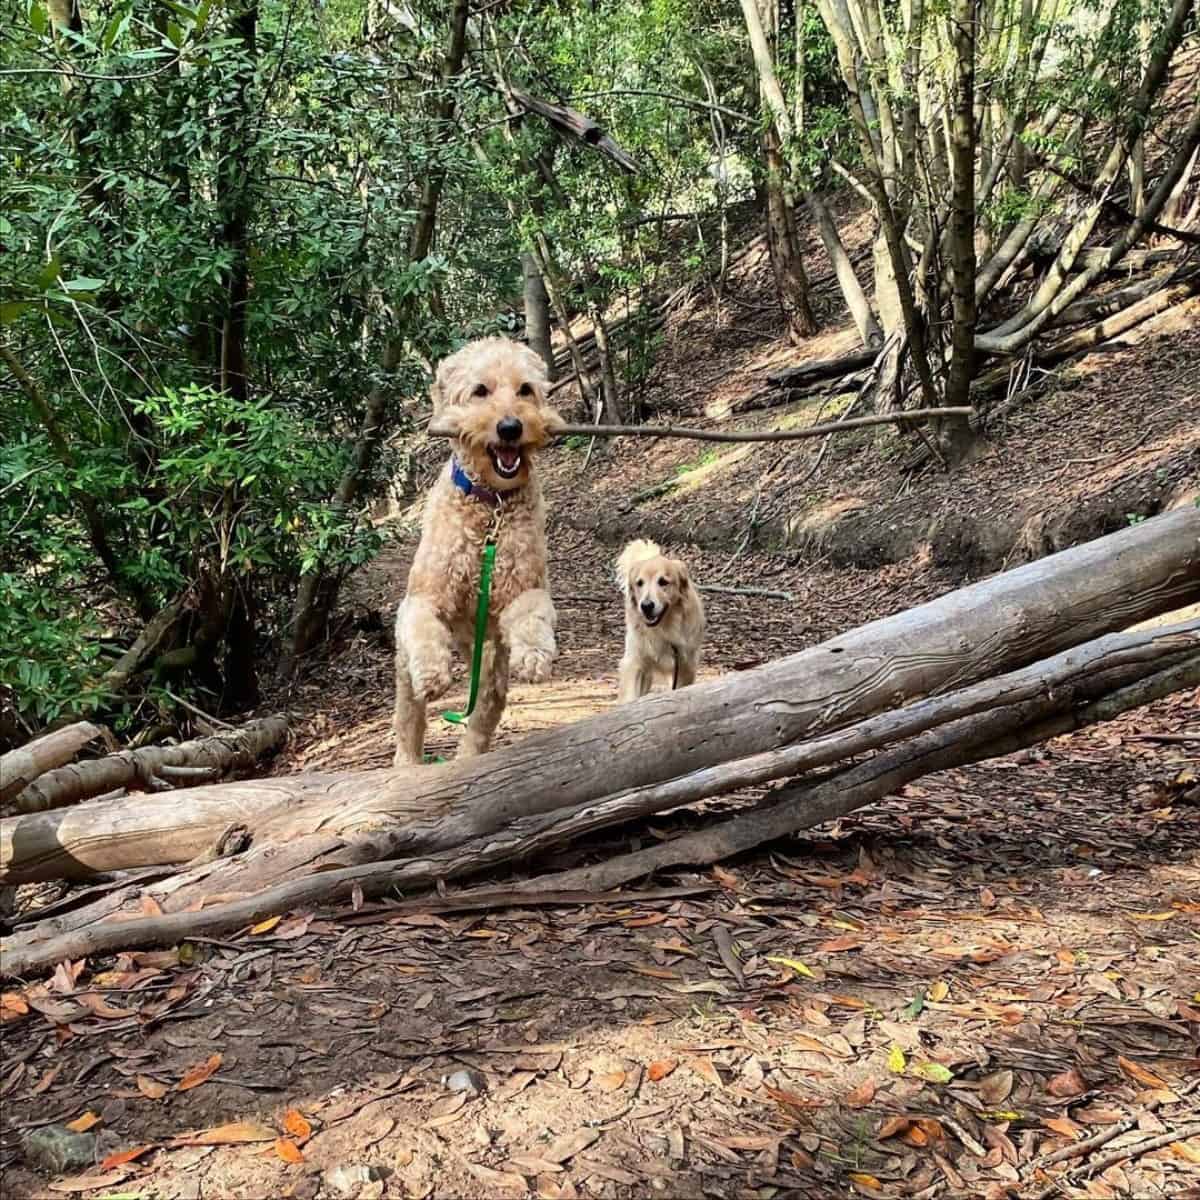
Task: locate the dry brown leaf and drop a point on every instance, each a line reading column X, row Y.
column 1134, row 1071
column 792, row 1100
column 295, row 1123
column 87, row 1183
column 84, row 1123
column 233, row 1134
column 200, row 1073
column 45, row 1081
column 125, row 1156
column 12, row 1006
column 803, row 1042
column 892, row 1126
column 1063, row 1126
column 570, row 1144
column 995, row 1088
column 862, row 1180
column 705, row 1068
column 641, row 922
column 267, row 925
column 151, row 1088
column 1189, row 1151
column 1069, row 1083
column 655, row 972
column 286, row 1149
column 863, row 1094
column 727, row 879
column 939, row 991
column 660, row 1069
column 101, row 1007
column 610, row 1082
column 150, row 906
column 914, row 1135
column 838, row 944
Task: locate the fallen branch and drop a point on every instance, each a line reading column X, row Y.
column 748, row 435
column 19, row 768
column 211, row 757
column 1043, row 688
column 147, row 642
column 823, row 368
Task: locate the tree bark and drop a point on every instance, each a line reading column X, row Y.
column 19, row 768
column 857, row 303
column 215, row 755
column 306, row 822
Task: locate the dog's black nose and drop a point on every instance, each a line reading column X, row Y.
column 509, row 429
column 648, row 607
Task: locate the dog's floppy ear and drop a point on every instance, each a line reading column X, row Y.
column 684, row 577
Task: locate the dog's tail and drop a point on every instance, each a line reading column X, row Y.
column 637, row 551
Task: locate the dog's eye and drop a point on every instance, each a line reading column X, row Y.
column 480, row 389
column 664, row 583
column 525, row 390
column 639, row 582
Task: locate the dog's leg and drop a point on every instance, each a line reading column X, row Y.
column 527, row 629
column 635, row 679
column 489, row 706
column 429, row 646
column 687, row 666
column 408, row 721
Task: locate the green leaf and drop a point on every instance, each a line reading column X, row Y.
column 38, row 18
column 934, row 1072
column 83, row 284
column 896, row 1061
column 10, row 310
column 793, row 964
column 115, row 27
column 48, row 274
column 914, row 1007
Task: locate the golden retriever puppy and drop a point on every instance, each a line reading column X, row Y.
column 492, row 394
column 664, row 620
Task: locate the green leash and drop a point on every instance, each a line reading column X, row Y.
column 481, row 617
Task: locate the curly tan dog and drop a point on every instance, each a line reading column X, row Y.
column 492, row 393
column 664, row 620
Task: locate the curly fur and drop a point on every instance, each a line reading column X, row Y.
column 664, row 642
column 475, row 388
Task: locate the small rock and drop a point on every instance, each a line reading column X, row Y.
column 56, row 1150
column 466, row 1080
column 354, row 1179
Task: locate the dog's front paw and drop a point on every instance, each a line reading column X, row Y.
column 531, row 660
column 430, row 679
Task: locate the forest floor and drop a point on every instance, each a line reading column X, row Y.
column 926, row 998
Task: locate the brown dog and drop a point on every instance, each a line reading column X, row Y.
column 492, row 394
column 664, row 620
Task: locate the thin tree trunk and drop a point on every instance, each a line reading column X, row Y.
column 787, row 263
column 537, row 311
column 956, row 436
column 859, row 306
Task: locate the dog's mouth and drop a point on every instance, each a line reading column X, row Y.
column 655, row 618
column 507, row 460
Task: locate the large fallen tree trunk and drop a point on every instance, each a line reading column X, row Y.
column 304, row 824
column 19, row 768
column 159, row 767
column 1039, row 700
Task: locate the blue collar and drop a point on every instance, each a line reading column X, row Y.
column 469, row 487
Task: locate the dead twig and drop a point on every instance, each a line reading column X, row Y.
column 749, row 435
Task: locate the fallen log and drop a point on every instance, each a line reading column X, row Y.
column 19, row 768
column 1113, row 325
column 800, row 806
column 823, row 368
column 212, row 757
column 306, row 823
column 1042, row 699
